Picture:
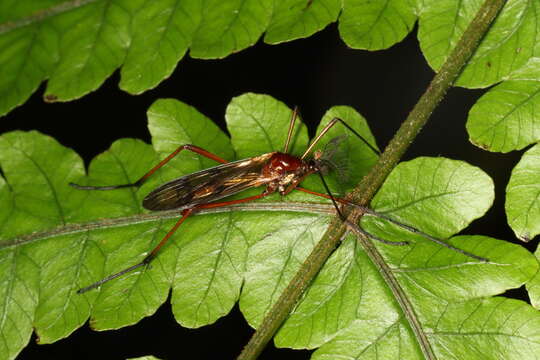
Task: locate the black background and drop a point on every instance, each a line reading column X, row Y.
column 314, row 74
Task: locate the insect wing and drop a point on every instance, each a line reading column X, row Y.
column 208, row 185
column 335, row 157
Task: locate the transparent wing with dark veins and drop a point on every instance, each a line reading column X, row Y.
column 208, row 185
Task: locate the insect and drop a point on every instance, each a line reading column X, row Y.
column 277, row 171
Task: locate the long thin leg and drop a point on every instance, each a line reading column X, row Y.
column 145, row 261
column 185, row 214
column 291, row 128
column 423, row 234
column 190, row 211
column 328, row 127
column 139, row 182
column 357, row 229
column 352, row 226
column 395, row 222
column 326, row 196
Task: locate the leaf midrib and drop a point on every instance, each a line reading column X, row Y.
column 43, row 14
column 106, row 223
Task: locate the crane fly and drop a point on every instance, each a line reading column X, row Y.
column 277, row 171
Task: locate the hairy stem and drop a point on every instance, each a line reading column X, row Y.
column 367, row 188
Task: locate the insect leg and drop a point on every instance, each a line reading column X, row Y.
column 145, row 261
column 139, row 182
column 375, row 150
column 185, row 214
column 190, row 211
column 291, row 128
column 232, row 202
column 328, row 127
column 358, row 230
column 352, row 226
column 409, row 228
column 423, row 234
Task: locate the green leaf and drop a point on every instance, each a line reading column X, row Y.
column 293, row 19
column 350, row 160
column 256, row 125
column 27, row 57
column 93, row 44
column 494, row 328
column 161, row 34
column 229, row 26
column 506, row 118
column 39, row 203
column 522, row 194
column 55, row 239
column 533, row 285
column 19, row 286
column 77, row 45
column 529, row 71
column 508, row 45
column 172, row 123
column 439, row 187
column 376, row 25
column 350, row 290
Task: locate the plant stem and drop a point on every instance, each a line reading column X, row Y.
column 106, row 223
column 367, row 188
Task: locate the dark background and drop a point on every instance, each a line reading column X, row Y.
column 314, row 74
